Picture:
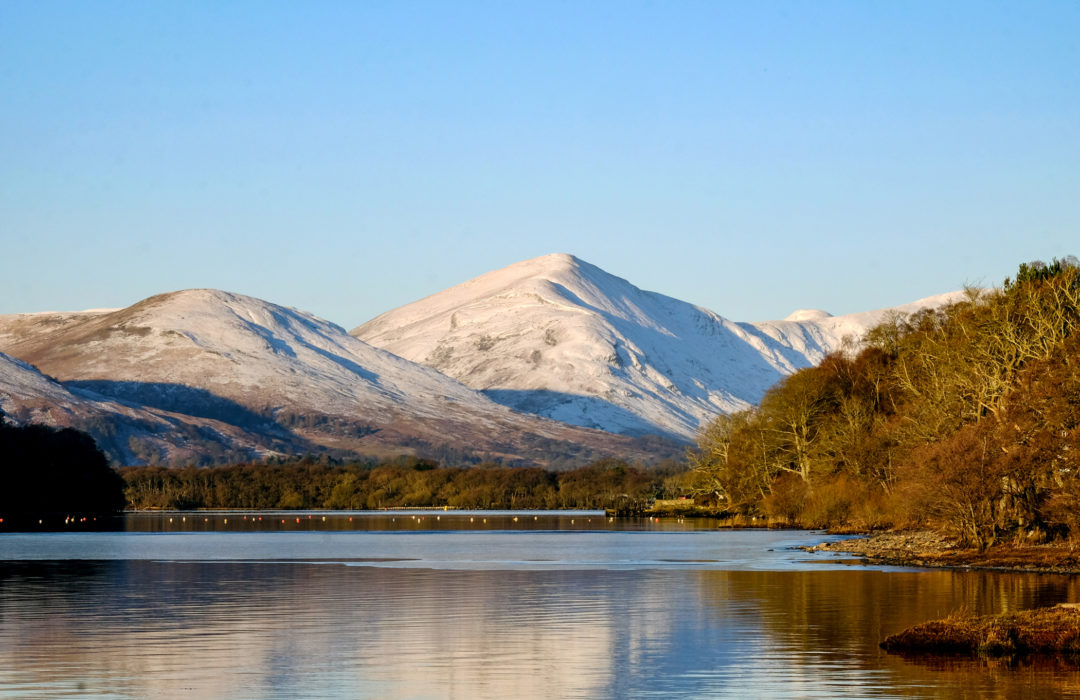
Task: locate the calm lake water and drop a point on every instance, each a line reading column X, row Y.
column 435, row 605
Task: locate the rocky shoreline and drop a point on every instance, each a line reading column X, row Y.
column 929, row 549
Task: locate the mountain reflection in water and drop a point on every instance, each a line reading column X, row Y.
column 292, row 629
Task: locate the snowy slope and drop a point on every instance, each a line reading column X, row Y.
column 813, row 334
column 561, row 338
column 242, row 360
column 20, row 381
column 128, row 433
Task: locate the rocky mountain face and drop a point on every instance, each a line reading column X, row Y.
column 245, row 376
column 558, row 337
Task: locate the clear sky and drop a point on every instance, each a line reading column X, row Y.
column 347, row 158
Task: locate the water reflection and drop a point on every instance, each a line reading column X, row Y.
column 832, row 622
column 289, row 629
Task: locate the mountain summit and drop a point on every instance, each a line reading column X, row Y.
column 559, row 337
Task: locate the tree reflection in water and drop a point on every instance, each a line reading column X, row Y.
column 840, row 617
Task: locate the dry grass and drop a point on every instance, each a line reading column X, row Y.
column 1042, row 631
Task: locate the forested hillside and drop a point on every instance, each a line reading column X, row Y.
column 962, row 418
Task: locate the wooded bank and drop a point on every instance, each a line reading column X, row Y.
column 963, row 419
column 407, row 482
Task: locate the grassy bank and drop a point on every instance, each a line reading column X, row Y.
column 1043, row 631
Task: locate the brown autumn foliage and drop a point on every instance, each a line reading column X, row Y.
column 964, row 419
column 1038, row 631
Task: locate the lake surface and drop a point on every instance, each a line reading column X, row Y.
column 435, row 605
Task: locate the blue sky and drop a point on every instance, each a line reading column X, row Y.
column 347, row 158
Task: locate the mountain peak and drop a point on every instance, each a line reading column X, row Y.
column 554, row 266
column 198, row 296
column 808, row 315
column 556, row 261
column 178, row 302
column 557, row 336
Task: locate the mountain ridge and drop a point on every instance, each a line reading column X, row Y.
column 235, row 358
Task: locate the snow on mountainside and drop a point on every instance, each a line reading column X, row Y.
column 561, row 338
column 21, row 381
column 247, row 362
column 126, row 432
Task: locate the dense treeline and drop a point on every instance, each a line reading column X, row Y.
column 400, row 483
column 963, row 418
column 47, row 471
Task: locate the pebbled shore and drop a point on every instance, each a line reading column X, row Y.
column 929, row 549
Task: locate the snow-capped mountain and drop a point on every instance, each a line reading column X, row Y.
column 559, row 337
column 263, row 367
